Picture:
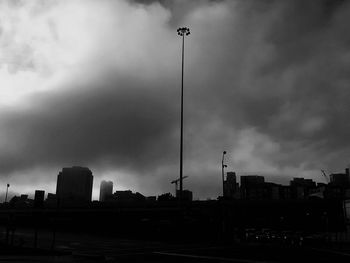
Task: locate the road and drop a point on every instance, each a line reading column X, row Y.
column 95, row 248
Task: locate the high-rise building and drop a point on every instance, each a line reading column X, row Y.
column 272, row 191
column 303, row 182
column 74, row 185
column 106, row 190
column 252, row 187
column 39, row 198
column 301, row 187
column 341, row 179
column 231, row 186
column 251, row 180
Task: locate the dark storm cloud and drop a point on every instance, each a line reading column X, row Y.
column 308, row 46
column 124, row 124
column 265, row 80
column 283, row 71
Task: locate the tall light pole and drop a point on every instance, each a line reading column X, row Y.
column 7, row 189
column 223, row 173
column 182, row 31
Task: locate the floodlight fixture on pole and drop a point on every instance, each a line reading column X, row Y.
column 182, row 31
column 223, row 166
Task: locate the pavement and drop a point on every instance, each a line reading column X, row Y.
column 94, row 248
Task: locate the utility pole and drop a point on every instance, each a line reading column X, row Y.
column 7, row 189
column 223, row 173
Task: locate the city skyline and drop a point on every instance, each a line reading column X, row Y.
column 75, row 182
column 265, row 81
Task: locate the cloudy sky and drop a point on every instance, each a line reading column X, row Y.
column 96, row 83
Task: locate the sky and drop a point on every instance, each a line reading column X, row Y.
column 96, row 83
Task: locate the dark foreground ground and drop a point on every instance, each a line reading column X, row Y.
column 94, row 248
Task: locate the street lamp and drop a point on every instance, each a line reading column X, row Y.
column 7, row 189
column 182, row 31
column 223, row 172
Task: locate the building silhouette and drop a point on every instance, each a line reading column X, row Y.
column 166, row 197
column 186, row 195
column 301, row 188
column 128, row 196
column 21, row 201
column 231, row 187
column 106, row 190
column 339, row 186
column 39, row 198
column 74, row 185
column 272, row 191
column 151, row 199
column 285, row 193
column 251, row 180
column 252, row 187
column 340, row 179
column 51, row 200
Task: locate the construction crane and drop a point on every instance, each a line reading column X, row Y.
column 325, row 176
column 176, row 181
